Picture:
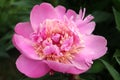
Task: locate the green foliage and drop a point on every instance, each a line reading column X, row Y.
column 107, row 17
column 116, row 4
column 117, row 18
column 96, row 67
column 112, row 71
column 117, row 56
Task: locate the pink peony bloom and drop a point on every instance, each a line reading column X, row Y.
column 57, row 40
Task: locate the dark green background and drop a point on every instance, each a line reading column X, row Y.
column 107, row 18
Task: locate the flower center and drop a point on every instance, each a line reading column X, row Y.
column 55, row 41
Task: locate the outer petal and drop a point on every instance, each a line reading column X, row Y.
column 84, row 61
column 95, row 45
column 88, row 18
column 64, row 68
column 24, row 45
column 84, row 24
column 70, row 13
column 24, row 29
column 85, row 64
column 60, row 10
column 40, row 13
column 86, row 28
column 31, row 68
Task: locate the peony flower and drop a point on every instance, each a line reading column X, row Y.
column 58, row 40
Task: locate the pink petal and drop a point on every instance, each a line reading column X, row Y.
column 56, row 38
column 82, row 13
column 86, row 28
column 25, row 46
column 51, row 49
column 83, row 61
column 70, row 13
column 40, row 13
column 24, row 29
column 31, row 68
column 67, row 44
column 60, row 10
column 64, row 68
column 88, row 18
column 95, row 46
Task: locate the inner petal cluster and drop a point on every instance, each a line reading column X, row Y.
column 55, row 41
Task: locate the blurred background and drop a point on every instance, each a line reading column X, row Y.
column 107, row 18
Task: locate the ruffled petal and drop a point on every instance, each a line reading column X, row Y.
column 82, row 13
column 25, row 46
column 64, row 68
column 24, row 29
column 31, row 68
column 86, row 28
column 66, row 45
column 83, row 61
column 85, row 24
column 95, row 46
column 40, row 13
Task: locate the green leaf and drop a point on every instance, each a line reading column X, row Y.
column 117, row 53
column 116, row 4
column 96, row 67
column 112, row 71
column 117, row 56
column 118, row 60
column 117, row 18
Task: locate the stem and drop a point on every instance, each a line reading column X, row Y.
column 74, row 77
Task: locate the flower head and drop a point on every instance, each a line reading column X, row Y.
column 57, row 40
